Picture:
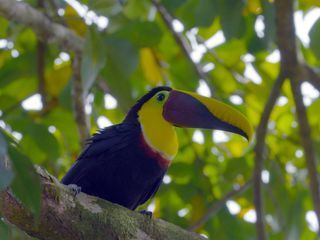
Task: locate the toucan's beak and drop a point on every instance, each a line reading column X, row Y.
column 190, row 110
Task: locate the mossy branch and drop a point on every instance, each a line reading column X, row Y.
column 66, row 216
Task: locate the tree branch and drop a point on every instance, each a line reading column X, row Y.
column 297, row 73
column 259, row 150
column 45, row 29
column 219, row 204
column 288, row 53
column 65, row 216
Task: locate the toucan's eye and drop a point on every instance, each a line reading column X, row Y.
column 161, row 97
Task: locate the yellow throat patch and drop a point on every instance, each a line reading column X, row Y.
column 159, row 134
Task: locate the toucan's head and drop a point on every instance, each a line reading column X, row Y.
column 163, row 108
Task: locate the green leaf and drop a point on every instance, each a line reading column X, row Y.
column 93, row 58
column 224, row 79
column 315, row 38
column 105, row 7
column 231, row 19
column 14, row 69
column 207, row 32
column 41, row 135
column 141, row 33
column 26, row 184
column 183, row 74
column 137, row 9
column 198, row 13
column 172, row 5
column 6, row 175
column 269, row 21
column 231, row 51
column 37, row 142
column 4, row 231
column 4, row 25
column 122, row 60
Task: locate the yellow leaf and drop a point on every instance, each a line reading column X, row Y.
column 198, row 208
column 57, row 78
column 74, row 21
column 150, row 66
column 157, row 212
column 253, row 6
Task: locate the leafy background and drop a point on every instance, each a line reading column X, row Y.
column 130, row 49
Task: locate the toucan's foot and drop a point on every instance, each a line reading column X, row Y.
column 146, row 213
column 74, row 189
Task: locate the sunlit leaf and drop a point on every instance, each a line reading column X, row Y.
column 253, row 6
column 137, row 9
column 56, row 78
column 151, row 66
column 231, row 51
column 74, row 21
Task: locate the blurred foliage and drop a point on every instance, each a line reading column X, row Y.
column 136, row 51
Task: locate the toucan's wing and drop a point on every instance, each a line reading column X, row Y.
column 101, row 147
column 112, row 139
column 151, row 192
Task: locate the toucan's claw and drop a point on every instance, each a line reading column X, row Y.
column 146, row 213
column 74, row 189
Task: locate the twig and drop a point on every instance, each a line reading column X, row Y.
column 167, row 18
column 46, row 30
column 259, row 150
column 219, row 204
column 79, row 101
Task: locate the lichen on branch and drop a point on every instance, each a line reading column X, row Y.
column 65, row 216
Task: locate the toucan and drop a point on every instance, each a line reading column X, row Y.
column 125, row 163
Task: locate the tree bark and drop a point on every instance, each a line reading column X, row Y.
column 65, row 216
